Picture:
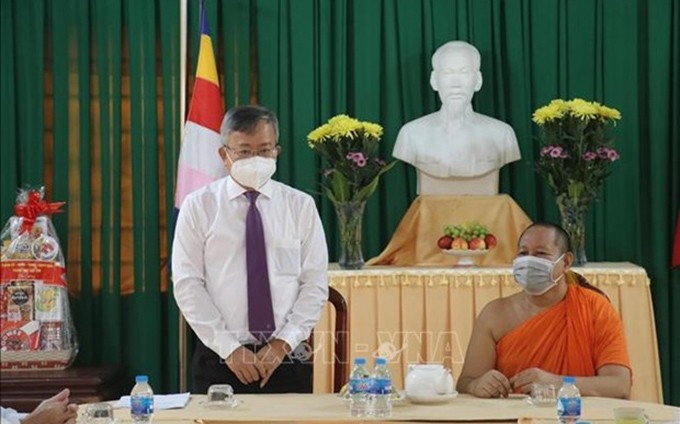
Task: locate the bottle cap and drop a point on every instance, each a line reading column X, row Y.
column 380, row 361
column 142, row 379
column 569, row 380
column 359, row 361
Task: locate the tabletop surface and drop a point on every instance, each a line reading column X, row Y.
column 302, row 408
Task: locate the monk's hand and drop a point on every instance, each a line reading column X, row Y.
column 523, row 380
column 491, row 384
column 244, row 364
column 270, row 357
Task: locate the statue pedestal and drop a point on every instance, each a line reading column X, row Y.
column 482, row 185
column 415, row 240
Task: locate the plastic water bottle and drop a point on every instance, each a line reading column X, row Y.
column 381, row 390
column 568, row 402
column 141, row 400
column 359, row 389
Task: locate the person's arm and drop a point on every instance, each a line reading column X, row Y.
column 611, row 381
column 311, row 297
column 193, row 299
column 313, row 280
column 55, row 410
column 614, row 376
column 479, row 376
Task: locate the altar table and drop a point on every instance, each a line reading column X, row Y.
column 327, row 408
column 426, row 314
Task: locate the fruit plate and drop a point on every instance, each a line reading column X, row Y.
column 465, row 256
column 431, row 399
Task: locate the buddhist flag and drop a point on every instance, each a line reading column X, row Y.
column 199, row 161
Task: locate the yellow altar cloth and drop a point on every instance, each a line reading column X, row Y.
column 415, row 240
column 426, row 314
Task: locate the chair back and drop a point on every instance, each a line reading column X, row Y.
column 341, row 365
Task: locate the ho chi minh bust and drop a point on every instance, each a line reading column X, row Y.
column 457, row 150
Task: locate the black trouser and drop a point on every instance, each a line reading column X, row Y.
column 207, row 368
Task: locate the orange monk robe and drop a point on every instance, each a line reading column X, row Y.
column 575, row 337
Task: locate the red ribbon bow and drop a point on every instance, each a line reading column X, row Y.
column 33, row 208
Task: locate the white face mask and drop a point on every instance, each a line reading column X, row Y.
column 534, row 274
column 253, row 172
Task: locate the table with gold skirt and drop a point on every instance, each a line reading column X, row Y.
column 426, row 314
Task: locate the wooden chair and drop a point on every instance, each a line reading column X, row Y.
column 341, row 360
column 340, row 354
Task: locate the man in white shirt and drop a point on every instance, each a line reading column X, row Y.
column 55, row 410
column 249, row 266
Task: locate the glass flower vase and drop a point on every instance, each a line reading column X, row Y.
column 573, row 212
column 350, row 216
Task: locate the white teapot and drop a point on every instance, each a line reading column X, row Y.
column 428, row 380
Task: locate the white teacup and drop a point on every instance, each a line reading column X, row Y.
column 428, row 380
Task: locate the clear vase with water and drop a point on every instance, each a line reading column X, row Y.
column 573, row 211
column 350, row 216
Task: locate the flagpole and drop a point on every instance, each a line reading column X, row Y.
column 182, row 339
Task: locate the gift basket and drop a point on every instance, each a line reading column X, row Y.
column 36, row 329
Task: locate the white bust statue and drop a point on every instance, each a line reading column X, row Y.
column 456, row 150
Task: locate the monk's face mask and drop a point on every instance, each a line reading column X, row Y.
column 535, row 274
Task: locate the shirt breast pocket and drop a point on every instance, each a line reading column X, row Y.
column 286, row 256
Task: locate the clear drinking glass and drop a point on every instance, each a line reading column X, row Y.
column 98, row 413
column 543, row 394
column 221, row 395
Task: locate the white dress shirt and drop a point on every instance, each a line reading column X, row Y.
column 209, row 263
column 10, row 416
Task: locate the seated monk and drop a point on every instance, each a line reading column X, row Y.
column 558, row 325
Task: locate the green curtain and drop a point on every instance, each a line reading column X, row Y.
column 370, row 59
column 114, row 65
column 81, row 98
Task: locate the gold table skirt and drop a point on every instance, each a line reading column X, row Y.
column 416, row 315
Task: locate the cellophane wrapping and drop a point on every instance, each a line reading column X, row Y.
column 36, row 327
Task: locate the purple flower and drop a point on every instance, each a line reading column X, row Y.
column 556, row 152
column 358, row 158
column 612, row 155
column 589, row 156
column 603, row 152
column 546, row 150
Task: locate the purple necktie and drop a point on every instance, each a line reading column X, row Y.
column 260, row 311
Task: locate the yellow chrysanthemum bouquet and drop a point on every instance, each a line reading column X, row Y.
column 350, row 148
column 575, row 157
column 576, row 151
